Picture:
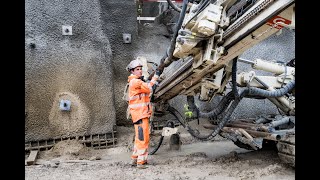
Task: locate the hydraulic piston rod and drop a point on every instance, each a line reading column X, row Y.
column 268, row 66
column 246, row 61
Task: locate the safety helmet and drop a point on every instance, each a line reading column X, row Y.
column 133, row 64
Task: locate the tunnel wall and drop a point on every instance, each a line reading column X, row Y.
column 118, row 18
column 75, row 67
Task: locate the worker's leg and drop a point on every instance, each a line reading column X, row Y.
column 134, row 156
column 141, row 144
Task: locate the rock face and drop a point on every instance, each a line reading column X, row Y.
column 73, row 68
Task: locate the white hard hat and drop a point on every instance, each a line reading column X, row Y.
column 133, row 64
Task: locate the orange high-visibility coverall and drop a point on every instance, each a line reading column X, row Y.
column 140, row 110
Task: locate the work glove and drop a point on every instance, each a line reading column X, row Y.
column 158, row 72
column 142, row 78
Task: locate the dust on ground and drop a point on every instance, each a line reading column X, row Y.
column 219, row 159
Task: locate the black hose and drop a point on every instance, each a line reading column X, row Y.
column 158, row 146
column 174, row 6
column 270, row 94
column 221, row 107
column 177, row 115
column 291, row 63
column 248, row 91
column 227, row 114
column 180, row 118
column 190, row 100
column 234, row 78
column 222, row 123
column 169, row 122
column 178, row 26
column 169, row 53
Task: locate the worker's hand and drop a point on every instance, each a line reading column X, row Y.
column 158, row 73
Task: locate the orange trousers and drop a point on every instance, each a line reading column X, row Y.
column 141, row 141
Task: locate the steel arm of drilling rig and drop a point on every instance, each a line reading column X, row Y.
column 212, row 36
column 207, row 44
column 283, row 74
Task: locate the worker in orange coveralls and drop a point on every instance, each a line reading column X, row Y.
column 140, row 110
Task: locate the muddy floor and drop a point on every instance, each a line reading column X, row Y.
column 219, row 159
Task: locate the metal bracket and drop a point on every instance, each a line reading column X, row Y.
column 65, row 105
column 126, row 38
column 66, row 30
column 167, row 131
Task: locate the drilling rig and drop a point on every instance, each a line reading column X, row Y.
column 202, row 59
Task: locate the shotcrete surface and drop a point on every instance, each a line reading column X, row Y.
column 75, row 67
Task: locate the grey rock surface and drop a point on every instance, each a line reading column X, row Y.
column 75, row 67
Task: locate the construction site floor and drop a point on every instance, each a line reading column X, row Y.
column 219, row 159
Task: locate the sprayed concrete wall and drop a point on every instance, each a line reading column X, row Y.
column 118, row 18
column 59, row 67
column 147, row 39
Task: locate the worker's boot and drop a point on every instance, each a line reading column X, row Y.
column 142, row 166
column 133, row 162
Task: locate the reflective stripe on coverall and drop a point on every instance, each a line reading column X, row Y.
column 140, row 110
column 141, row 141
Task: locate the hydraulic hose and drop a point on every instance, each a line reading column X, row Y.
column 161, row 138
column 234, row 78
column 190, row 100
column 177, row 115
column 174, row 6
column 222, row 123
column 248, row 91
column 245, row 92
column 169, row 54
column 158, row 146
column 221, row 107
column 224, row 104
column 270, row 94
column 178, row 26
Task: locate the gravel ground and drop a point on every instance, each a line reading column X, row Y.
column 219, row 159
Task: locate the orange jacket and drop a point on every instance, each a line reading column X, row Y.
column 139, row 97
